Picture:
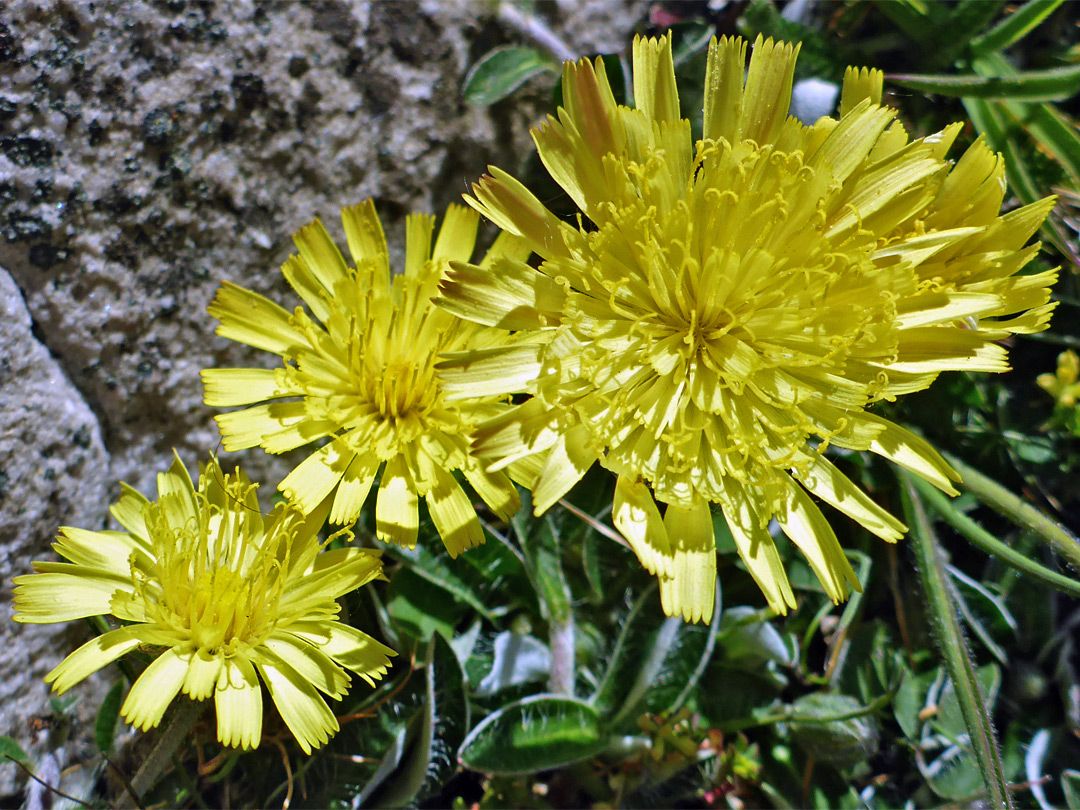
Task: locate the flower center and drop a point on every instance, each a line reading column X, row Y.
column 219, row 579
column 401, row 388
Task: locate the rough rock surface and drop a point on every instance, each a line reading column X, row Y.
column 149, row 150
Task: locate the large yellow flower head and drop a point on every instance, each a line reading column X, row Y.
column 363, row 374
column 222, row 593
column 733, row 307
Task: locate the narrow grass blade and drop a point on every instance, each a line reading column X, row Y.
column 1019, row 511
column 1014, row 27
column 983, row 540
column 1055, row 84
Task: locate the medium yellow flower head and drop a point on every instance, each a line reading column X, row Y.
column 361, row 372
column 735, row 305
column 222, row 593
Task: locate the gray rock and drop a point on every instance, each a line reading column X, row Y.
column 149, row 149
column 54, row 472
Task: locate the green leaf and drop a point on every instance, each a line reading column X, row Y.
column 656, row 661
column 967, row 592
column 919, row 19
column 1070, row 786
column 745, row 633
column 841, row 743
column 428, row 759
column 535, row 734
column 108, row 714
column 432, row 566
column 1033, row 85
column 10, row 748
column 501, row 71
column 518, row 659
column 913, row 698
column 420, row 609
column 967, row 19
column 1014, row 27
column 746, row 696
column 954, row 774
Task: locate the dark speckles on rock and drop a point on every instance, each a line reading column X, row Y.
column 22, row 227
column 95, row 133
column 159, row 126
column 9, row 45
column 27, row 151
column 81, row 437
column 335, row 18
column 262, row 22
column 8, row 109
column 42, row 190
column 44, row 256
column 380, row 91
column 249, row 89
column 8, row 194
column 298, row 66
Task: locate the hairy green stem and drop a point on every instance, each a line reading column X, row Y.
column 949, row 636
column 1018, row 510
column 185, row 714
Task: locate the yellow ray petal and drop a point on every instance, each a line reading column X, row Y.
column 154, row 690
column 396, row 517
column 92, row 656
column 638, row 520
column 304, row 712
column 250, row 318
column 822, row 478
column 238, row 703
column 457, row 236
column 803, row 522
column 757, row 549
column 317, row 475
column 453, row 514
column 691, row 589
column 367, row 242
column 321, row 255
column 227, row 387
column 353, row 489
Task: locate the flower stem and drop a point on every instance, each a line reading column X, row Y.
column 186, row 713
column 949, row 636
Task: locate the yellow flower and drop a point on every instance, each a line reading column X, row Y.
column 735, row 305
column 1063, row 385
column 223, row 593
column 365, row 377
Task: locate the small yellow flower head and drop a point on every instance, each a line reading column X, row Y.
column 363, row 374
column 222, row 593
column 735, row 306
column 1063, row 386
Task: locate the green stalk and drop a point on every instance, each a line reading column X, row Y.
column 1018, row 510
column 950, row 641
column 185, row 714
column 983, row 540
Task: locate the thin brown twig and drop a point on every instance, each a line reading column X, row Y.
column 46, row 785
column 288, row 774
